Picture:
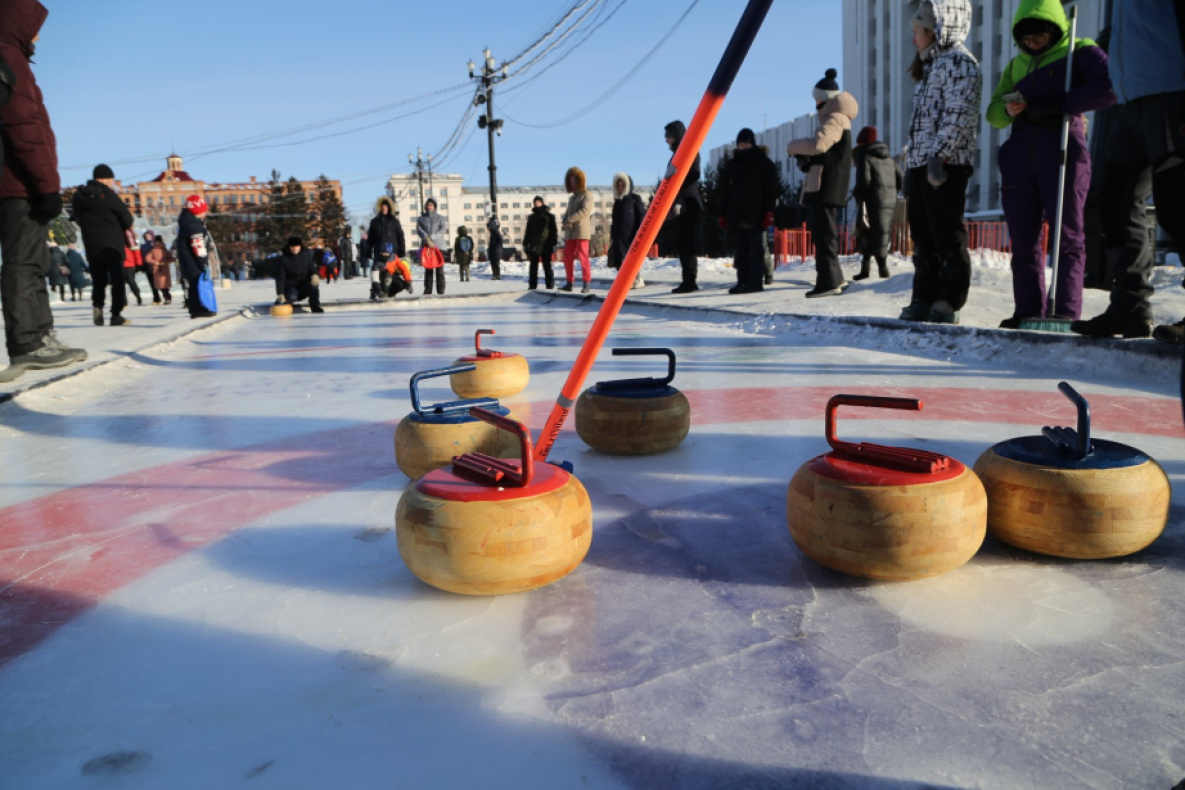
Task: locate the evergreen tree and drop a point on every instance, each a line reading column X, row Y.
column 293, row 211
column 328, row 219
column 268, row 227
column 717, row 242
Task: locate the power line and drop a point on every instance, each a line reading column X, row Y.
column 567, row 15
column 597, row 102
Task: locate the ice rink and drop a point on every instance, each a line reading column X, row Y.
column 200, row 586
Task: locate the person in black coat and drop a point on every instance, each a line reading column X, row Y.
column 539, row 239
column 878, row 180
column 494, row 250
column 193, row 253
column 383, row 243
column 104, row 220
column 748, row 194
column 628, row 212
column 688, row 210
column 296, row 276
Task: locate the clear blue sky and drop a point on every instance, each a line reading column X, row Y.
column 125, row 79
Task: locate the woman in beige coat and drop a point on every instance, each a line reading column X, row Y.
column 577, row 227
column 158, row 260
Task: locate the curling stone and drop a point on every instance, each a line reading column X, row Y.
column 885, row 512
column 1068, row 495
column 431, row 436
column 486, row 526
column 498, row 375
column 281, row 310
column 634, row 416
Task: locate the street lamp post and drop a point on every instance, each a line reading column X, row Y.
column 490, row 76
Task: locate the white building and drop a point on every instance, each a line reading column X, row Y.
column 469, row 205
column 877, row 52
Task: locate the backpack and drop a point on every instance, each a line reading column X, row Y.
column 465, row 244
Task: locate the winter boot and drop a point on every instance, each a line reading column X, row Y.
column 98, row 315
column 44, row 357
column 584, row 290
column 566, row 287
column 1173, row 334
column 942, row 313
column 915, row 311
column 865, row 266
column 1109, row 326
column 882, row 268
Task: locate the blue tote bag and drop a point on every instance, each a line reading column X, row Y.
column 205, row 292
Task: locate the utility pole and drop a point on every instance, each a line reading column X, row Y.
column 490, row 76
column 419, row 161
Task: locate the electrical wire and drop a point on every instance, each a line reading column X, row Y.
column 566, row 16
column 597, row 102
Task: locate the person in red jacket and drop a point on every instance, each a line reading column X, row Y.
column 133, row 261
column 30, row 196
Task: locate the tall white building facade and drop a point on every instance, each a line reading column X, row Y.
column 469, row 205
column 877, row 52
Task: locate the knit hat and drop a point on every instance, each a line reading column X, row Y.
column 867, row 135
column 102, row 171
column 746, row 136
column 196, row 204
column 826, row 88
column 925, row 18
column 294, row 241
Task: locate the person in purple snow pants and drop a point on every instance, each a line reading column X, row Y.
column 1032, row 99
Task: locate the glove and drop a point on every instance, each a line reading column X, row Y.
column 804, row 162
column 43, row 208
column 315, row 280
column 935, row 173
column 1044, row 113
column 768, row 220
column 723, row 222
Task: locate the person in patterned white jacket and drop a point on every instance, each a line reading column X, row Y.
column 939, row 163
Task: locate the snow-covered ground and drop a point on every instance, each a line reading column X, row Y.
column 200, row 585
column 989, row 302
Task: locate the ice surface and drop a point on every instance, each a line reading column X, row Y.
column 202, row 587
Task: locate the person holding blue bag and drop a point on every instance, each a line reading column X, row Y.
column 193, row 257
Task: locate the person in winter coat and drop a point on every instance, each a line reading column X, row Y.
column 687, row 227
column 363, row 251
column 539, row 240
column 395, row 277
column 133, row 262
column 30, row 197
column 628, row 213
column 1031, row 98
column 385, row 237
column 59, row 270
column 577, row 227
column 942, row 133
column 345, row 249
column 1145, row 155
column 748, row 193
column 432, row 228
column 193, row 252
column 159, row 261
column 78, row 270
column 296, row 276
column 145, row 248
column 105, row 221
column 826, row 157
column 494, row 249
column 463, row 252
column 878, row 181
column 432, row 259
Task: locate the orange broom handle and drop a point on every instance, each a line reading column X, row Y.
column 660, row 206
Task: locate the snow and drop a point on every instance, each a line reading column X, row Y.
column 199, row 533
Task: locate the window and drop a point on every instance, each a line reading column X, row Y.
column 516, row 205
column 504, row 205
column 444, row 191
column 468, row 218
column 468, row 205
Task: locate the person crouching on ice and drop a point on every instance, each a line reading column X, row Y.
column 296, row 276
column 395, row 277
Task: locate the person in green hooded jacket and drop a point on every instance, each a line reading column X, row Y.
column 1031, row 98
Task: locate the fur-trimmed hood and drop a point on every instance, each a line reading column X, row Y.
column 378, row 204
column 629, row 185
column 575, row 180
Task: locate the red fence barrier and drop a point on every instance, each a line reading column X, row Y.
column 795, row 243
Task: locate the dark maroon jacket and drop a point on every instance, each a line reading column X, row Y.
column 30, row 149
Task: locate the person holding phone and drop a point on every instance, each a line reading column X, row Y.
column 1031, row 98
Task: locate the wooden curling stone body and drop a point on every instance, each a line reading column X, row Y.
column 421, row 446
column 495, row 377
column 889, row 532
column 1074, row 513
column 494, row 547
column 281, row 310
column 633, row 426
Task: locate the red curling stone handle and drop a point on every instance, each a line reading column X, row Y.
column 483, row 352
column 888, row 457
column 486, row 469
